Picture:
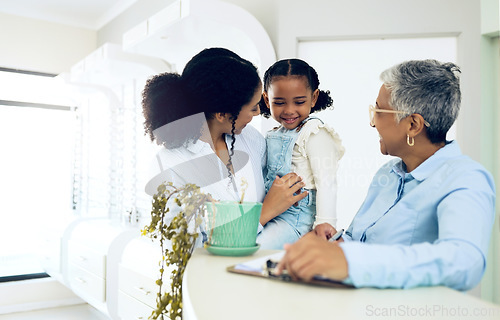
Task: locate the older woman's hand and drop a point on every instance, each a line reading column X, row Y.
column 284, row 192
column 311, row 256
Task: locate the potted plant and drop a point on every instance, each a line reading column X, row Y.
column 232, row 229
column 176, row 240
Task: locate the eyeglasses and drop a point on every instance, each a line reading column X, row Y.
column 372, row 110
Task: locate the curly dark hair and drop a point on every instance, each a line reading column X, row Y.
column 215, row 80
column 295, row 68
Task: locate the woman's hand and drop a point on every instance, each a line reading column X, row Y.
column 284, row 192
column 311, row 256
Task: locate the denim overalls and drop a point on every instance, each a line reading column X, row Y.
column 289, row 226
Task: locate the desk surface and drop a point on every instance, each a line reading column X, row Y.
column 212, row 293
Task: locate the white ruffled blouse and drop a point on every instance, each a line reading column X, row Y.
column 315, row 158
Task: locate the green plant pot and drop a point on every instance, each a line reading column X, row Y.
column 233, row 225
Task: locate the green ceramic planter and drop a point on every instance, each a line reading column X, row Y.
column 233, row 225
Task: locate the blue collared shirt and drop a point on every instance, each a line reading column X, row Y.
column 428, row 227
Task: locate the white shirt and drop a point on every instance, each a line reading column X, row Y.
column 197, row 163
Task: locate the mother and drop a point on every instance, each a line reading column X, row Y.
column 427, row 217
column 201, row 119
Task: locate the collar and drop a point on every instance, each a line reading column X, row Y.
column 197, row 146
column 428, row 167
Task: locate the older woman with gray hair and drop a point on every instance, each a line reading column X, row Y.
column 427, row 217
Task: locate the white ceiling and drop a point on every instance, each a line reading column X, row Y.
column 89, row 14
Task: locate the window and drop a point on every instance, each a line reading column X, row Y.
column 113, row 154
column 37, row 128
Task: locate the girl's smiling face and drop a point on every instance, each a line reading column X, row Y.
column 290, row 100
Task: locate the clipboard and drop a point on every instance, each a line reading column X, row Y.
column 264, row 268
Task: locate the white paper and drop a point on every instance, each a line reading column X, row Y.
column 258, row 264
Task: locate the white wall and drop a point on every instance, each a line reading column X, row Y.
column 135, row 14
column 490, row 17
column 42, row 46
column 490, row 103
column 266, row 11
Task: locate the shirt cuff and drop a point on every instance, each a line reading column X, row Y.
column 346, row 238
column 347, row 281
column 379, row 272
column 260, row 228
column 320, row 220
column 356, row 258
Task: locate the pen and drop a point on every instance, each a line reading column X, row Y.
column 336, row 236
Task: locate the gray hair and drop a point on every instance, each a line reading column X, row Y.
column 429, row 88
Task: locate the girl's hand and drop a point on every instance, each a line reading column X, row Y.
column 311, row 256
column 284, row 192
column 324, row 231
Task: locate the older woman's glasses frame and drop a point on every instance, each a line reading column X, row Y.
column 372, row 110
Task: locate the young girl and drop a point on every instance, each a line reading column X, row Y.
column 301, row 144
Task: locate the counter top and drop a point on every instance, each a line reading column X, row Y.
column 212, row 293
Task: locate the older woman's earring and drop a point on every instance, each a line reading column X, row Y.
column 412, row 143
